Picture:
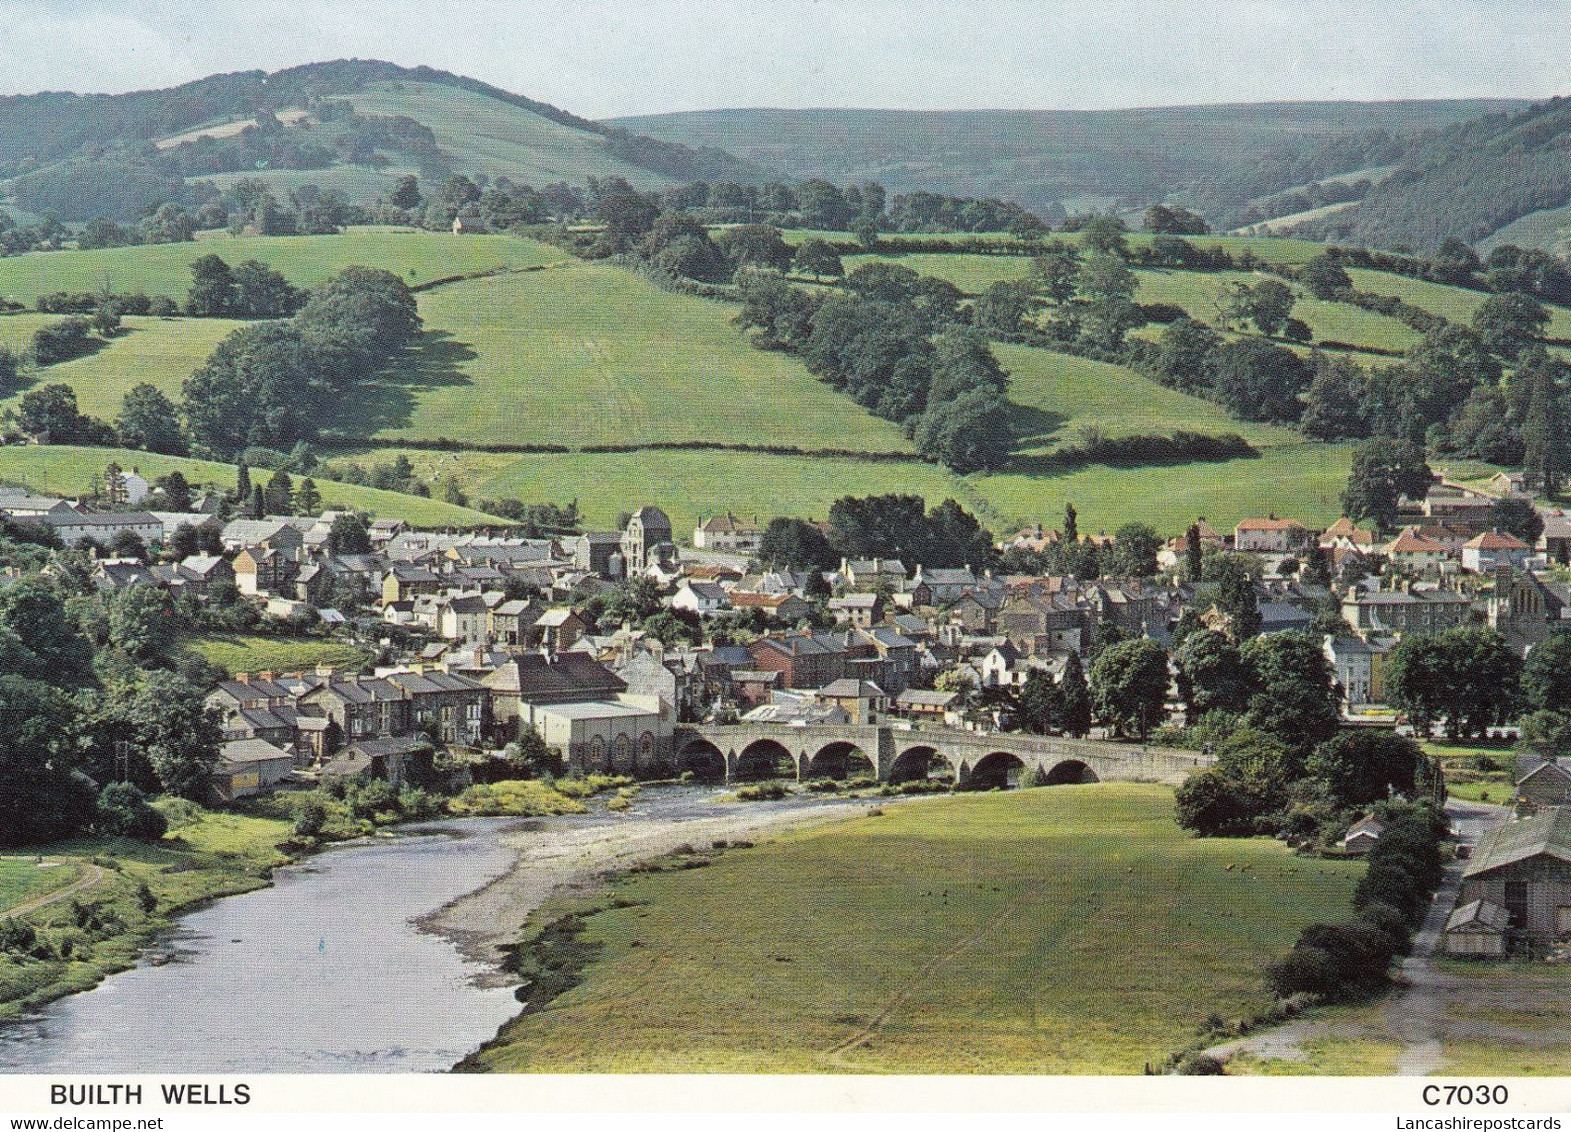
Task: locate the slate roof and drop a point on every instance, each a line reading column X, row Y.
column 1483, row 912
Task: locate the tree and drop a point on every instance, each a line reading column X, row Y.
column 242, row 481
column 1257, row 381
column 1469, row 677
column 1162, row 218
column 796, row 544
column 1335, row 408
column 972, row 433
column 278, row 497
column 1213, row 804
column 1383, row 472
column 406, row 193
column 1518, row 517
column 177, row 732
column 1295, row 697
column 1106, row 234
column 1510, row 323
column 1184, row 353
column 1003, row 307
column 1056, row 271
column 348, row 535
column 1361, row 767
column 308, row 501
column 42, row 794
column 1129, row 684
column 142, row 622
column 149, row 421
column 819, row 259
column 1106, row 276
column 1038, row 708
column 1074, row 699
column 51, row 409
column 121, row 811
column 261, row 292
column 755, row 245
column 257, row 508
column 1325, row 277
column 1546, row 675
column 1270, row 305
column 1214, row 672
column 212, row 293
column 627, row 217
column 1134, row 550
column 1235, row 595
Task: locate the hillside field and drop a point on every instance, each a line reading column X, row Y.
column 1058, row 930
column 593, row 354
column 67, row 470
column 253, row 652
column 165, row 269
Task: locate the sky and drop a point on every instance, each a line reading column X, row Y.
column 602, row 59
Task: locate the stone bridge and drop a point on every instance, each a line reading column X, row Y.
column 750, row 751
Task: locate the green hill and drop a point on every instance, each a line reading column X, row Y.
column 1049, row 159
column 79, row 156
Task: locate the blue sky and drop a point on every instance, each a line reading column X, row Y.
column 643, row 56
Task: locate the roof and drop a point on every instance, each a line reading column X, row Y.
column 566, row 674
column 380, row 748
column 555, row 618
column 1411, row 542
column 651, row 516
column 596, row 710
column 925, row 698
column 1496, row 540
column 728, row 522
column 847, row 688
column 251, row 751
column 1269, row 525
column 1482, row 912
column 1365, row 827
column 1546, row 834
column 755, row 676
column 708, row 591
column 747, row 599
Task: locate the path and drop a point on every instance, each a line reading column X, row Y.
column 1413, row 1012
column 92, row 876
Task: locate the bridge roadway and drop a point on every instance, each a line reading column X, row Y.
column 898, row 753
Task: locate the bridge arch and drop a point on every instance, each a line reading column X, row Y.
column 920, row 763
column 1071, row 771
column 703, row 760
column 840, row 760
column 1000, row 770
column 764, row 759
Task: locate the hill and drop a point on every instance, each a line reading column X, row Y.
column 1469, row 180
column 1073, row 160
column 352, row 124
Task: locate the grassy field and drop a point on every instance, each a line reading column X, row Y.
column 1060, row 930
column 159, row 351
column 67, row 470
column 165, row 269
column 1301, row 480
column 251, row 652
column 23, row 878
column 484, row 135
column 207, row 854
column 593, row 354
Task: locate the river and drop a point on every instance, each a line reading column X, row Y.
column 341, row 965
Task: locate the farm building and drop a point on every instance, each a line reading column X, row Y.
column 1477, row 928
column 1542, row 782
column 1362, row 835
column 1525, row 867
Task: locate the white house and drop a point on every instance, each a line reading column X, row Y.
column 134, row 486
column 702, row 598
column 1486, row 553
column 1270, row 536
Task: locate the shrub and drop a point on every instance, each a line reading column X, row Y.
column 762, row 792
column 1195, row 1064
column 310, row 817
column 123, row 812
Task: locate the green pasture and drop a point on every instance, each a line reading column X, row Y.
column 1062, row 930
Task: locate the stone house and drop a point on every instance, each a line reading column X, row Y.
column 784, row 607
column 859, row 609
column 607, row 737
column 940, row 586
column 559, row 629
column 452, row 708
column 522, row 684
column 802, row 659
column 362, row 708
column 1270, row 536
column 647, row 540
column 405, row 581
column 465, row 618
column 1396, row 612
column 863, row 701
column 729, row 535
column 1542, row 782
column 1478, row 929
column 1485, row 553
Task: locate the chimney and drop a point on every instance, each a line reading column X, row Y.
column 243, row 677
column 265, row 676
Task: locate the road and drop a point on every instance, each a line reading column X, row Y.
column 92, row 876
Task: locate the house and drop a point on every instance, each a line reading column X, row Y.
column 465, row 617
column 469, row 223
column 1270, row 536
column 1346, row 533
column 73, row 527
column 802, row 659
column 603, row 737
column 649, row 673
column 512, row 622
column 918, row 704
column 1510, row 485
column 1556, row 539
column 600, row 553
column 870, row 573
column 361, row 707
column 1360, row 668
column 1542, row 782
column 751, row 687
column 702, row 598
column 729, row 535
column 405, row 581
column 1459, row 507
column 260, row 571
column 977, row 612
column 1524, row 867
column 1487, row 552
column 248, row 766
column 859, row 609
column 270, row 534
column 521, row 684
column 940, row 586
column 449, row 707
column 389, row 759
column 1396, row 612
column 1283, row 617
column 558, row 629
column 133, row 487
column 784, row 607
column 1477, row 928
column 1361, row 836
column 647, row 540
column 1413, row 553
column 863, row 701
